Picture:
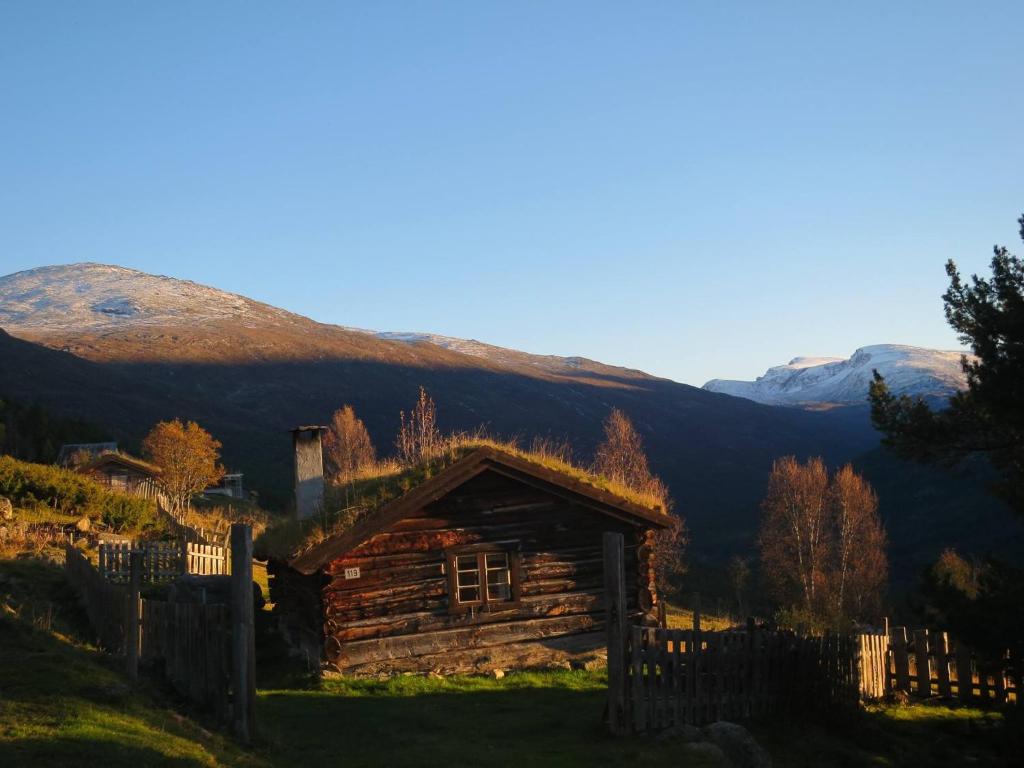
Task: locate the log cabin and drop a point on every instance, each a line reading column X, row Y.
column 493, row 562
column 123, row 473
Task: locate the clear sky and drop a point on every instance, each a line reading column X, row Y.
column 695, row 189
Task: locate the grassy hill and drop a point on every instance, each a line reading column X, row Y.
column 63, row 703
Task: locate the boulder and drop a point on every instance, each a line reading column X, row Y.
column 83, row 524
column 738, row 745
column 685, row 733
column 6, row 509
column 497, row 674
column 706, row 753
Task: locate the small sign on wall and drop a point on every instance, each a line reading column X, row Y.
column 351, row 573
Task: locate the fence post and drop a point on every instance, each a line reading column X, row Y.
column 615, row 597
column 243, row 662
column 132, row 625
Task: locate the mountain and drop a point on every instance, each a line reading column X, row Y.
column 122, row 349
column 820, row 381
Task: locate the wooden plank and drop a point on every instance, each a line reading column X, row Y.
column 637, row 703
column 678, row 710
column 964, row 673
column 132, row 637
column 615, row 596
column 924, row 687
column 243, row 661
column 942, row 663
column 901, row 658
column 999, row 678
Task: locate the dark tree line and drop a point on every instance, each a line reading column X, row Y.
column 32, row 433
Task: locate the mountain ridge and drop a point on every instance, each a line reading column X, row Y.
column 820, row 381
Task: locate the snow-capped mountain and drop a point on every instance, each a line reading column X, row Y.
column 811, row 381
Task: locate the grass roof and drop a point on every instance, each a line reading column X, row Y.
column 348, row 503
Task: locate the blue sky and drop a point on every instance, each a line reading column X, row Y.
column 695, row 189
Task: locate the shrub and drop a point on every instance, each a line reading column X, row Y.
column 67, row 492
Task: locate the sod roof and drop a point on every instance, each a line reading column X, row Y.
column 375, row 502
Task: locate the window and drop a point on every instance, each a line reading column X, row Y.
column 482, row 578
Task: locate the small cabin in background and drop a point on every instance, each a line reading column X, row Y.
column 123, row 473
column 70, row 453
column 230, row 485
column 494, row 562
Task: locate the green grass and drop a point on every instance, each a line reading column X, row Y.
column 62, row 703
column 525, row 719
column 924, row 734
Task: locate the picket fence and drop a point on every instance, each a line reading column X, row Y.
column 204, row 651
column 163, row 561
column 924, row 663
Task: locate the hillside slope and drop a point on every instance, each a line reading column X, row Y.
column 123, row 348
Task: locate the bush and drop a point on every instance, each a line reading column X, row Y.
column 67, row 492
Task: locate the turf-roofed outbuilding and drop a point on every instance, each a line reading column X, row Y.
column 494, row 561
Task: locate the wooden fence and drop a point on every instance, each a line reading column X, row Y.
column 676, row 676
column 206, row 559
column 206, row 652
column 162, row 561
column 659, row 677
column 106, row 603
column 924, row 663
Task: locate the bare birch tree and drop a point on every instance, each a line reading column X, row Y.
column 418, row 436
column 793, row 532
column 822, row 542
column 621, row 457
column 347, row 445
column 859, row 564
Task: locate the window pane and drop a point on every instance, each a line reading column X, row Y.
column 465, row 563
column 499, row 560
column 498, row 591
column 469, row 594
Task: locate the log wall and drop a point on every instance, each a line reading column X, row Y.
column 395, row 616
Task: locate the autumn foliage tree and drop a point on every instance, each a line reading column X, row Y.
column 418, row 436
column 347, row 445
column 188, row 457
column 621, row 458
column 822, row 542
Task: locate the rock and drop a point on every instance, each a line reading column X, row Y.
column 685, row 733
column 497, row 674
column 4, row 533
column 6, row 509
column 434, row 675
column 706, row 753
column 738, row 745
column 82, row 525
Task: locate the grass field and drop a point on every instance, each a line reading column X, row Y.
column 64, row 703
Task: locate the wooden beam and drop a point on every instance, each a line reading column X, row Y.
column 243, row 656
column 615, row 607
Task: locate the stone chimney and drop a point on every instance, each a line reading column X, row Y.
column 309, row 471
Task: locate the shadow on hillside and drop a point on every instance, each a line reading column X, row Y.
column 529, row 726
